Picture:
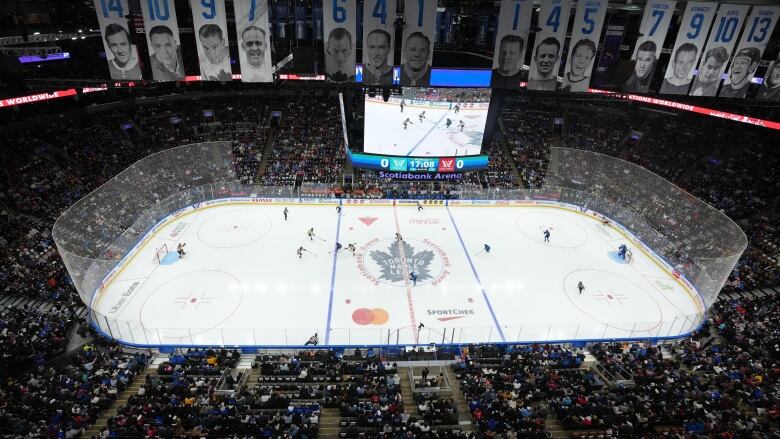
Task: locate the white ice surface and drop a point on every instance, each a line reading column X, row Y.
column 241, row 282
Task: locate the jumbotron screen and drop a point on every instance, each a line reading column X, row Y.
column 427, row 122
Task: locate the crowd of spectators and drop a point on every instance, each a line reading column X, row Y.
column 62, row 401
column 309, row 145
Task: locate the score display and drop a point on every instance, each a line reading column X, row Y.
column 440, row 165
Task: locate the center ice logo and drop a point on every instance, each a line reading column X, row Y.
column 384, row 260
column 391, row 262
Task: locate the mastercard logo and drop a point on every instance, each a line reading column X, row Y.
column 374, row 316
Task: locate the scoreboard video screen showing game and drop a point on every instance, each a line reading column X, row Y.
column 427, row 122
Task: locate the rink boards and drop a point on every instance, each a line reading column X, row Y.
column 241, row 282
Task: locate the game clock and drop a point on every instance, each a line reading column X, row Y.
column 419, row 164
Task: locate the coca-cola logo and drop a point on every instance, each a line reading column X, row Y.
column 424, row 221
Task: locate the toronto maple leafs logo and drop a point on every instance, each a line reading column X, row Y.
column 391, row 262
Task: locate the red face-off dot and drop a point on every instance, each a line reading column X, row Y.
column 363, row 316
column 348, row 301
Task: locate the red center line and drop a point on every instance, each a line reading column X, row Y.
column 405, row 268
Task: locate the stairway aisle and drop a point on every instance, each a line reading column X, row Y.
column 465, row 421
column 121, row 400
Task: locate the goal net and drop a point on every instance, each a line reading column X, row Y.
column 629, row 256
column 160, row 253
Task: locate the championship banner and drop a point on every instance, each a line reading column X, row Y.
column 694, row 27
column 378, row 32
column 209, row 24
column 162, row 38
column 514, row 22
column 585, row 35
column 652, row 33
column 610, row 53
column 546, row 56
column 758, row 29
column 340, row 18
column 417, row 46
column 254, row 40
column 718, row 50
column 121, row 53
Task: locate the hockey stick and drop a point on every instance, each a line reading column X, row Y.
column 313, row 254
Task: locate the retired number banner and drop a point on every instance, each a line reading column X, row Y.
column 211, row 36
column 652, row 31
column 340, row 18
column 585, row 36
column 758, row 29
column 546, row 56
column 723, row 39
column 121, row 53
column 378, row 32
column 514, row 22
column 254, row 40
column 162, row 37
column 417, row 46
column 691, row 36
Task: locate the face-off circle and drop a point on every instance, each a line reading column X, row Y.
column 389, row 261
column 205, row 299
column 609, row 294
column 234, row 228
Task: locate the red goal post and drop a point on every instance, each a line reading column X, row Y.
column 160, row 253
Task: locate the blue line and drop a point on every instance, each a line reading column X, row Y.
column 429, row 132
column 474, row 270
column 333, row 279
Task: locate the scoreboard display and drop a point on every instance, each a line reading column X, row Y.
column 418, row 164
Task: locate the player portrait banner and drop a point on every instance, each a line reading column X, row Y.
column 339, row 24
column 417, row 46
column 254, row 40
column 514, row 22
column 694, row 26
column 121, row 53
column 720, row 45
column 548, row 45
column 585, row 35
column 758, row 28
column 652, row 32
column 162, row 38
column 378, row 32
column 209, row 24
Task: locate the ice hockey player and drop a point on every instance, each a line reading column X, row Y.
column 422, row 116
column 338, row 247
column 487, row 248
column 338, row 209
column 622, row 249
column 580, row 287
column 449, row 122
column 457, row 108
column 398, row 237
column 285, row 213
column 407, row 122
column 313, row 340
column 311, row 234
column 461, row 125
column 180, row 249
column 300, row 252
column 419, row 206
column 413, row 278
column 546, row 235
column 402, row 106
column 351, row 247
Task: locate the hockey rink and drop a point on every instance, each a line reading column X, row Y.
column 242, row 283
column 431, row 137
